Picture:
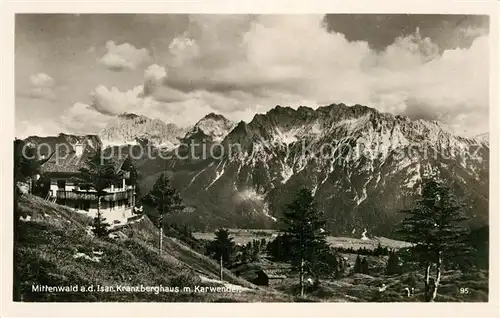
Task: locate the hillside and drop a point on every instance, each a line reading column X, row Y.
column 55, row 249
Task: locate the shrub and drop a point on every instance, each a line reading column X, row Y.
column 185, row 278
column 411, row 280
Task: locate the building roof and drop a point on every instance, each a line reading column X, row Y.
column 251, row 269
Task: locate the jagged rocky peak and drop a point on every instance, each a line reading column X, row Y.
column 212, row 126
column 128, row 116
column 129, row 128
column 285, row 116
column 214, row 116
column 342, row 111
column 285, row 126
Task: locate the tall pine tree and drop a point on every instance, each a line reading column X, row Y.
column 365, row 268
column 166, row 199
column 433, row 226
column 393, row 266
column 279, row 249
column 98, row 174
column 222, row 247
column 357, row 264
column 307, row 239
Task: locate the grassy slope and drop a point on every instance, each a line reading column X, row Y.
column 54, row 234
column 365, row 288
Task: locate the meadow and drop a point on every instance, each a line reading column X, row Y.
column 243, row 236
column 377, row 286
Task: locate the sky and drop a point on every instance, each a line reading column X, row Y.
column 75, row 72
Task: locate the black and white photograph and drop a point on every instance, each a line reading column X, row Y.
column 251, row 158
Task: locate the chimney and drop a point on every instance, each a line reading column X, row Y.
column 78, row 149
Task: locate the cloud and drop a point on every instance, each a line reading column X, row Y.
column 25, row 129
column 41, row 93
column 241, row 65
column 41, row 80
column 41, row 87
column 182, row 49
column 154, row 76
column 236, row 63
column 155, row 73
column 473, row 32
column 113, row 101
column 124, row 56
column 83, row 119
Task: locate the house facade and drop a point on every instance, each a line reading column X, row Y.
column 58, row 183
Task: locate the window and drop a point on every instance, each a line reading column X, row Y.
column 61, row 184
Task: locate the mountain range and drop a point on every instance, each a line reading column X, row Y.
column 362, row 165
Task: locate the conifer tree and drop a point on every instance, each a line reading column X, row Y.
column 255, row 250
column 280, row 248
column 98, row 174
column 307, row 239
column 166, row 199
column 263, row 244
column 365, row 268
column 223, row 246
column 433, row 226
column 393, row 266
column 341, row 267
column 357, row 264
column 245, row 257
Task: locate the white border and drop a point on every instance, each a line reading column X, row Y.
column 10, row 309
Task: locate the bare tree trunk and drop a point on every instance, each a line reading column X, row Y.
column 438, row 277
column 301, row 277
column 426, row 281
column 133, row 198
column 161, row 238
column 99, row 206
column 98, row 223
column 220, row 266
